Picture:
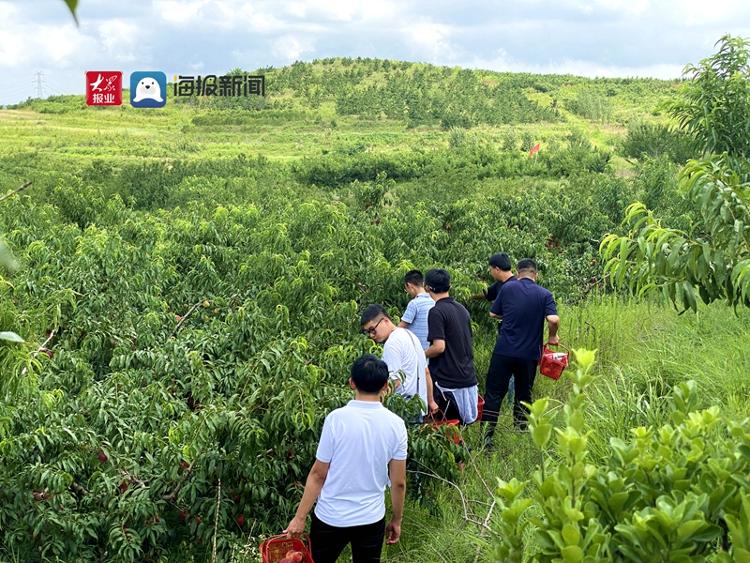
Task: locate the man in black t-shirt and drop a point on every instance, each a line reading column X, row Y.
column 450, row 351
column 524, row 307
column 499, row 265
column 500, row 271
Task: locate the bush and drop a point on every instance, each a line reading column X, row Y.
column 670, row 492
column 655, row 140
column 591, row 106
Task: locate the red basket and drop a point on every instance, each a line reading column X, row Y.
column 480, row 408
column 454, row 432
column 553, row 363
column 274, row 548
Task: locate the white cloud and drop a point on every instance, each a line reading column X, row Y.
column 12, row 52
column 343, row 10
column 33, row 44
column 430, row 41
column 59, row 44
column 119, row 39
column 629, row 7
column 11, row 39
column 290, row 48
column 698, row 13
column 7, row 11
column 179, row 12
column 504, row 63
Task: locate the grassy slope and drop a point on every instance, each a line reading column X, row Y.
column 294, row 127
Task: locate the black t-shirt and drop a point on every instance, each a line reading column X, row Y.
column 492, row 292
column 450, row 321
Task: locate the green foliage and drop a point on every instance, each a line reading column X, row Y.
column 578, row 155
column 190, row 286
column 72, row 5
column 591, row 106
column 666, row 492
column 715, row 104
column 712, row 264
column 655, row 140
column 711, row 258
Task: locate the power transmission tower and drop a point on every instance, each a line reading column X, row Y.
column 39, row 85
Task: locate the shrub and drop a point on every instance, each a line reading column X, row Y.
column 655, row 140
column 670, row 492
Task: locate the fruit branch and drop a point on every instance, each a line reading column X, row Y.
column 25, row 186
column 43, row 347
column 185, row 318
column 173, row 495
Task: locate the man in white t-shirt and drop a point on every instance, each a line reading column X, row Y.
column 403, row 353
column 362, row 450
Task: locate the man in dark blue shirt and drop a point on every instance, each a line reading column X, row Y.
column 524, row 306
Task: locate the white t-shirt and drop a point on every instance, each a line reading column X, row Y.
column 358, row 440
column 402, row 352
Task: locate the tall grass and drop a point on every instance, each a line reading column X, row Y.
column 644, row 349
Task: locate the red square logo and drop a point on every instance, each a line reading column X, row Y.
column 103, row 88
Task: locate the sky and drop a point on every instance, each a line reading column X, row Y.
column 41, row 48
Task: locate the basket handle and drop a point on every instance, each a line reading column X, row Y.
column 304, row 536
column 434, row 416
column 548, row 343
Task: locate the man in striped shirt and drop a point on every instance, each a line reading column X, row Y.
column 415, row 316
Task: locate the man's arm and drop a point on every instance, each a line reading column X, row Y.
column 553, row 323
column 436, row 348
column 392, row 358
column 397, row 474
column 496, row 309
column 432, row 406
column 313, row 486
column 409, row 315
column 553, row 320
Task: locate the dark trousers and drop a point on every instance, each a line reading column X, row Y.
column 329, row 541
column 502, row 368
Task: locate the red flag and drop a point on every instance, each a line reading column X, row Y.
column 534, row 150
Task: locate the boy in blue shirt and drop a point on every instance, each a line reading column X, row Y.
column 415, row 316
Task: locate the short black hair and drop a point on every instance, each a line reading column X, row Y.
column 369, row 373
column 371, row 312
column 500, row 260
column 526, row 264
column 437, row 280
column 414, row 277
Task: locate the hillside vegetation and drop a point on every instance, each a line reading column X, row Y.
column 189, row 282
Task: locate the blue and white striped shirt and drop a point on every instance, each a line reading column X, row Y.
column 416, row 317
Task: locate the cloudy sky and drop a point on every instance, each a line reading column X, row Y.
column 585, row 37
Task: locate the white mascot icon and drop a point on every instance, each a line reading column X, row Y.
column 148, row 89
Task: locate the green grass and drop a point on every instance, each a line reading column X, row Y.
column 643, row 350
